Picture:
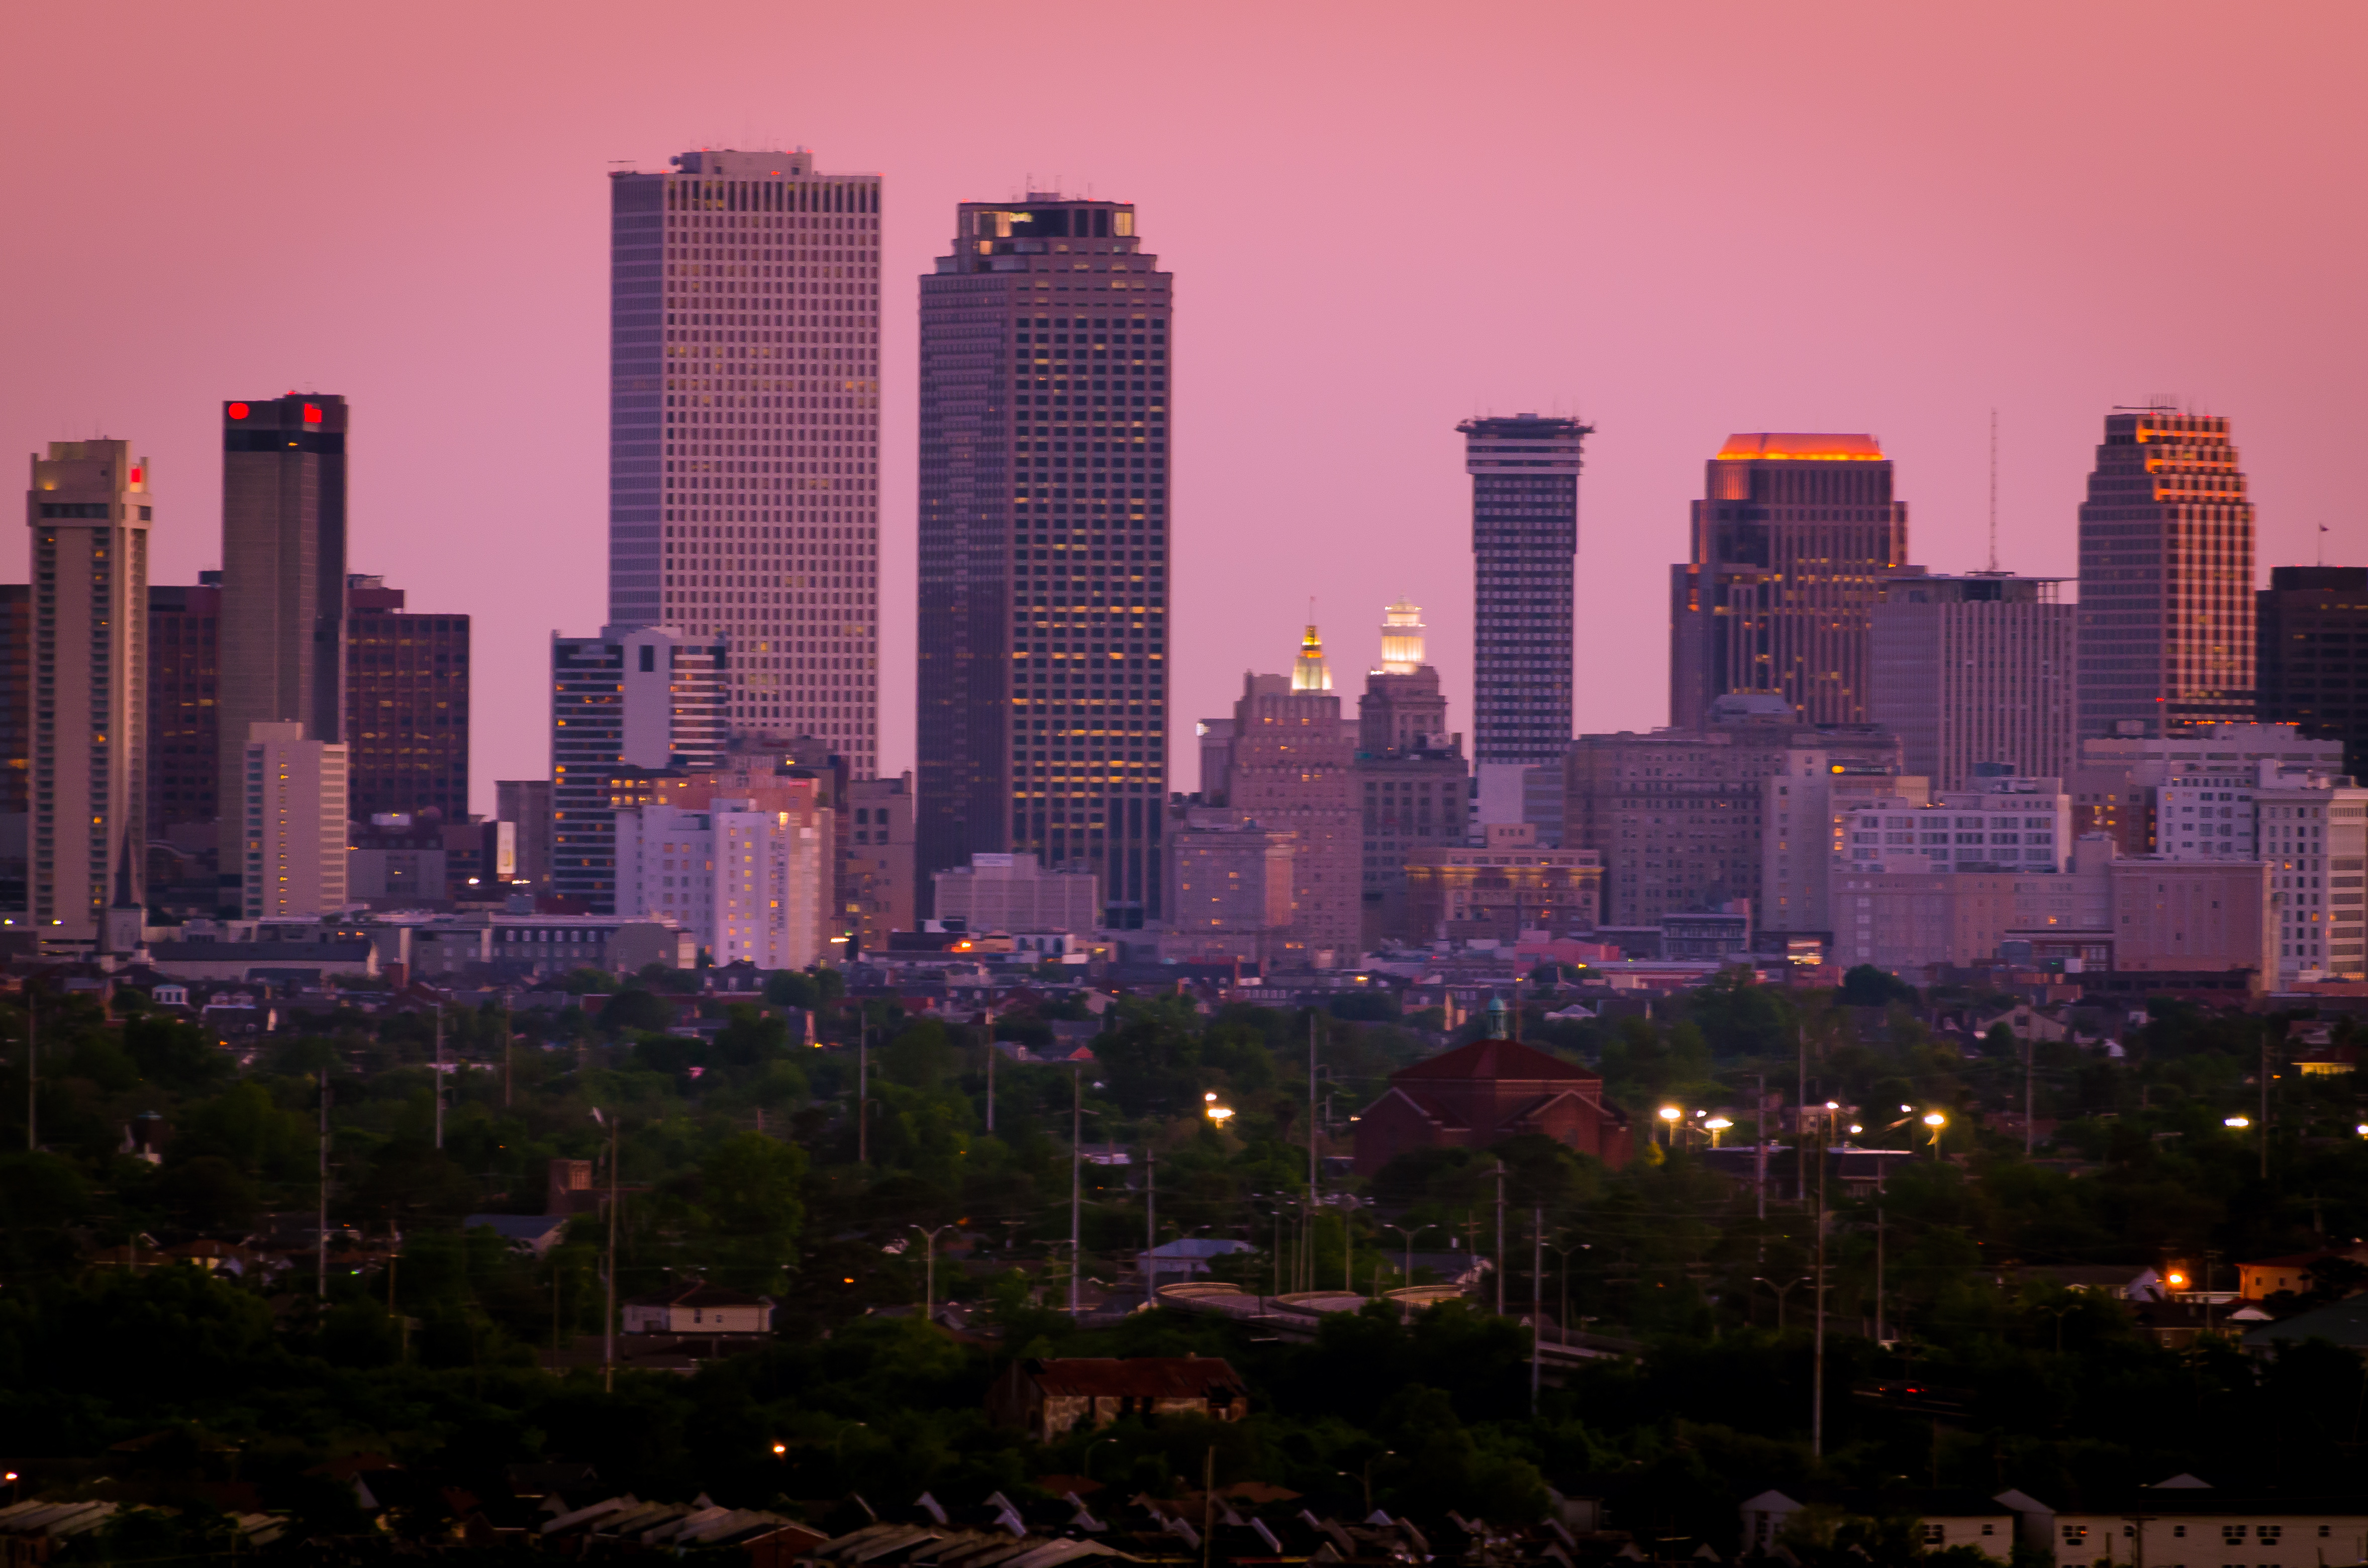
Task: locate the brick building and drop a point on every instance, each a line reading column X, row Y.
column 1479, row 1095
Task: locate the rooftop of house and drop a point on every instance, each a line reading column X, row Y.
column 1494, row 1060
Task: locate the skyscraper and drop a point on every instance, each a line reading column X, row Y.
column 283, row 589
column 629, row 703
column 183, row 683
column 1414, row 786
column 1790, row 547
column 2166, row 577
column 2312, row 667
column 89, row 509
column 1524, row 546
column 406, row 705
column 1974, row 669
column 1045, row 352
column 1295, row 766
column 744, row 432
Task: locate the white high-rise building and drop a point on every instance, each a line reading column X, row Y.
column 88, row 510
column 752, row 885
column 744, row 432
column 2314, row 833
column 294, row 821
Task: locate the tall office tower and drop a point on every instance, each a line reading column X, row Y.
column 16, row 698
column 89, row 509
column 406, row 705
column 744, row 432
column 294, row 821
column 1789, row 550
column 283, row 589
column 1681, row 817
column 1046, row 354
column 1295, row 766
column 2311, row 668
column 632, row 702
column 1524, row 546
column 1974, row 669
column 2165, row 579
column 183, row 683
column 1411, row 773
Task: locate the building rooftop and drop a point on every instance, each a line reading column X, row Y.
column 1808, row 448
column 1494, row 1059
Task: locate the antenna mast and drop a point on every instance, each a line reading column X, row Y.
column 1994, row 565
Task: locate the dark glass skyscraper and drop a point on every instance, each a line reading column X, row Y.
column 1791, row 545
column 2312, row 666
column 283, row 586
column 406, row 706
column 1524, row 546
column 1045, row 359
column 2166, row 577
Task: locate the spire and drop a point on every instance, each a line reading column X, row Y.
column 1402, row 631
column 1310, row 672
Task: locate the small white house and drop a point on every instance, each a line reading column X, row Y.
column 1944, row 1518
column 170, row 994
column 700, row 1309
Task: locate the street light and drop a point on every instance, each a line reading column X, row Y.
column 1935, row 1120
column 1214, row 1111
column 1718, row 1124
column 2238, row 1122
column 1669, row 1115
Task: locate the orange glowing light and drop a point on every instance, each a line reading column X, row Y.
column 1797, row 447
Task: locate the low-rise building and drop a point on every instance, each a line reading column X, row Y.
column 1047, row 1398
column 700, row 1308
column 1016, row 892
column 1498, row 891
column 1479, row 1095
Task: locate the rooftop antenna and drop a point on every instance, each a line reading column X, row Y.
column 1994, row 565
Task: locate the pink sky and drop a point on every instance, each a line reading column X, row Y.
column 1676, row 219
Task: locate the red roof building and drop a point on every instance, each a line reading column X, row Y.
column 1484, row 1093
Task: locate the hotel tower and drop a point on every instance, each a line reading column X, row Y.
column 1045, row 360
column 743, row 433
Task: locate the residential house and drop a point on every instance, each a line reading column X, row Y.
column 700, row 1309
column 1943, row 1518
column 2188, row 1523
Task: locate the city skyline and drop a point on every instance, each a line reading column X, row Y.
column 1963, row 325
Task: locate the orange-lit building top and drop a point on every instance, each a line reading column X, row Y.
column 1793, row 445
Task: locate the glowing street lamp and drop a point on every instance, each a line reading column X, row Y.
column 1219, row 1114
column 2239, row 1122
column 1718, row 1124
column 1669, row 1115
column 1936, row 1122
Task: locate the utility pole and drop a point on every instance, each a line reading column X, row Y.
column 321, row 1241
column 930, row 1271
column 1817, row 1371
column 608, row 1322
column 1879, row 1334
column 862, row 1086
column 2265, row 1105
column 990, row 1071
column 1309, row 1250
column 32, row 1032
column 1800, row 1117
column 2029, row 1071
column 1500, row 1238
column 1077, row 1182
column 1759, row 1164
column 1537, row 1298
column 439, row 1074
column 1150, row 1224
